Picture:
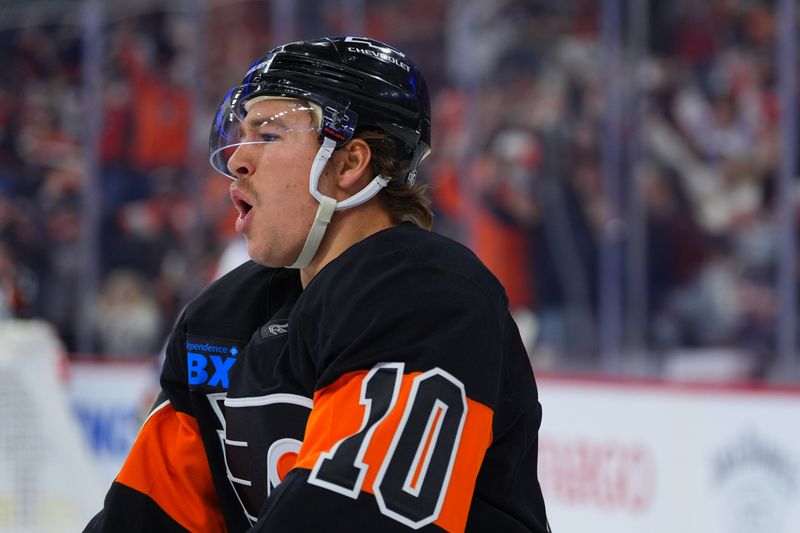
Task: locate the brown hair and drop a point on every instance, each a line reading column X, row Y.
column 405, row 203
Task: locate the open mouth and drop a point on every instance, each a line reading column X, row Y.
column 240, row 203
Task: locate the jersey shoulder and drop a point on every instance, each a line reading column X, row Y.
column 411, row 257
column 403, row 295
column 242, row 298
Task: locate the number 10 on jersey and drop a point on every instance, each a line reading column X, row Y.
column 413, row 477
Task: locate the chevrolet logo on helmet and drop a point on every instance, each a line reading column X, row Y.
column 386, row 58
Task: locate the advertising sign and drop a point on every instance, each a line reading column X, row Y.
column 638, row 457
column 111, row 401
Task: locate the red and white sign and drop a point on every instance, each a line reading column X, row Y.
column 634, row 457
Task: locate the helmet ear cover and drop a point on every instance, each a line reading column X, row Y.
column 396, row 161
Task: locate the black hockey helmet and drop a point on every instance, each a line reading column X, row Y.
column 357, row 82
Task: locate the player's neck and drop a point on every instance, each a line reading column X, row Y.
column 347, row 228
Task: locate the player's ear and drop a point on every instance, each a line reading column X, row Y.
column 352, row 164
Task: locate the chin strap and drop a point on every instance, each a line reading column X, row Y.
column 324, row 213
column 327, row 205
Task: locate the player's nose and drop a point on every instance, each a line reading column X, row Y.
column 240, row 164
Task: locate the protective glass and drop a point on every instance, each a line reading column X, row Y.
column 248, row 117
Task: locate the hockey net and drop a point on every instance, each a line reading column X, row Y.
column 48, row 481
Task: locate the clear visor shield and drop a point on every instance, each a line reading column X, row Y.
column 252, row 126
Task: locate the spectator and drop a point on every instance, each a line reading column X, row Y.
column 128, row 322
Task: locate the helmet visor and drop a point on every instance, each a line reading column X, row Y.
column 247, row 120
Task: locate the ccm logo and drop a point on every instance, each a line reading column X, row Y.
column 211, row 369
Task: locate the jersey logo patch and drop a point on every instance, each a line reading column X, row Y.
column 209, row 361
column 274, row 328
column 261, row 439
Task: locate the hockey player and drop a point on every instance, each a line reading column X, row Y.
column 361, row 373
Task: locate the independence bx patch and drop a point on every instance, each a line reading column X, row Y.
column 209, row 360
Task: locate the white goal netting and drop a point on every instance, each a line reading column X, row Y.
column 48, row 481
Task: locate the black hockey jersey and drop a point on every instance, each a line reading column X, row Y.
column 392, row 394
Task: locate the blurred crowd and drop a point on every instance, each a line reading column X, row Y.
column 702, row 120
column 519, row 92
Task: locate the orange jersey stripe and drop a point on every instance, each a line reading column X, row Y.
column 425, row 450
column 337, row 414
column 168, row 464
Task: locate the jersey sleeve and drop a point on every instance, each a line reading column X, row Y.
column 407, row 377
column 176, row 477
column 165, row 483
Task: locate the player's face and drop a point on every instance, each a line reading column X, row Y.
column 271, row 191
